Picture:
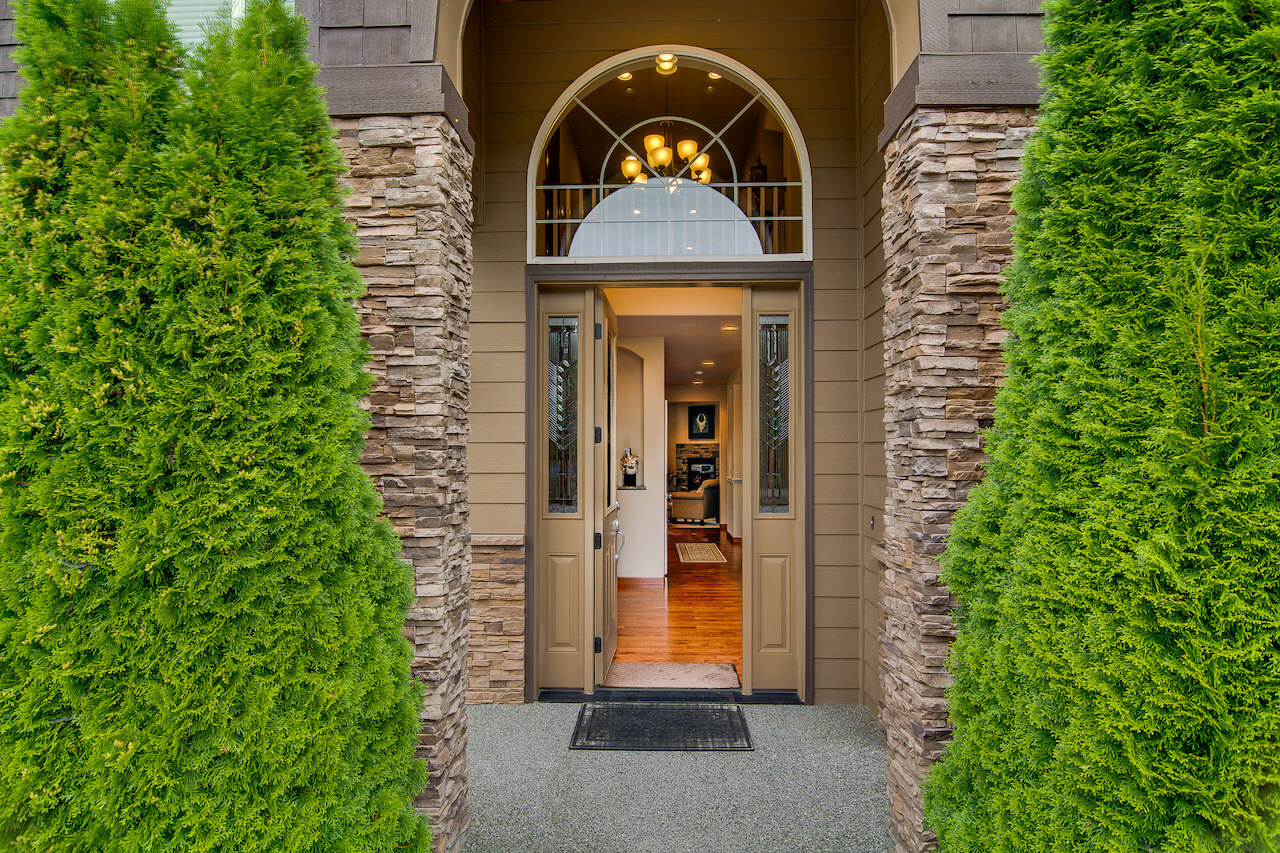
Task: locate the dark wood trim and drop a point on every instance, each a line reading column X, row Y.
column 310, row 9
column 962, row 80
column 382, row 90
column 531, row 505
column 674, row 273
column 935, row 25
column 900, row 103
column 810, row 541
column 422, row 30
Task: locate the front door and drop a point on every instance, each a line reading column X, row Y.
column 608, row 532
column 576, row 466
column 773, row 560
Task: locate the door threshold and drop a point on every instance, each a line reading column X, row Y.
column 632, row 694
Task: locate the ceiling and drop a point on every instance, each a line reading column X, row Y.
column 689, row 341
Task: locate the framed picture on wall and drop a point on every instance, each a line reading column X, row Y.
column 702, row 422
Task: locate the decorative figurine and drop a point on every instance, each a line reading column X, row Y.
column 630, row 465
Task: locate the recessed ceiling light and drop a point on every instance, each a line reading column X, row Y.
column 713, row 75
column 708, row 364
column 728, row 327
column 625, row 75
column 697, row 382
column 697, row 373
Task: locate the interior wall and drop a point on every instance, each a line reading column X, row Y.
column 829, row 60
column 679, row 399
column 644, row 511
column 631, row 400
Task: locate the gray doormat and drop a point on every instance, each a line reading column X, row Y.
column 661, row 726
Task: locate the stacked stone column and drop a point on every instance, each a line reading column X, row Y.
column 947, row 223
column 496, row 664
column 410, row 201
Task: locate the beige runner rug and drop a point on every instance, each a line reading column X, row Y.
column 698, row 676
column 699, row 552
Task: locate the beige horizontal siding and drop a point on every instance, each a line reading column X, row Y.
column 830, row 68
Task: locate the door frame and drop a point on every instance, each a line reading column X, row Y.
column 669, row 274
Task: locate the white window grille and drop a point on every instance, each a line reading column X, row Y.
column 598, row 191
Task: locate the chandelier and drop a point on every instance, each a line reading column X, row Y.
column 660, row 158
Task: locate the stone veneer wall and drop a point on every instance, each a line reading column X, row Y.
column 947, row 220
column 497, row 620
column 410, row 200
column 687, row 452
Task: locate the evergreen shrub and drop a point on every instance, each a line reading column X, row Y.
column 1117, row 671
column 200, row 611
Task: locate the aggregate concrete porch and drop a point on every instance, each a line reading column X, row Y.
column 815, row 782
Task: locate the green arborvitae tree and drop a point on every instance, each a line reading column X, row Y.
column 1117, row 672
column 200, row 612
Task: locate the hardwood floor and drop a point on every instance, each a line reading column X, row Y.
column 696, row 617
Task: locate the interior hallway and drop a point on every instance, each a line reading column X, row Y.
column 695, row 617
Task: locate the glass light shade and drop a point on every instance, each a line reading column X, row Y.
column 666, row 57
column 686, row 148
column 652, row 141
column 701, row 162
column 640, row 178
column 631, row 167
column 661, row 156
column 625, row 75
column 705, row 177
column 666, row 68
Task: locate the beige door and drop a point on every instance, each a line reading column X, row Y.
column 608, row 530
column 563, row 448
column 773, row 460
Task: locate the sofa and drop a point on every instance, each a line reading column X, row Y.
column 700, row 505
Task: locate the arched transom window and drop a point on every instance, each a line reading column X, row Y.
column 669, row 153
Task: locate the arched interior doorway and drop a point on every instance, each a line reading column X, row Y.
column 833, row 70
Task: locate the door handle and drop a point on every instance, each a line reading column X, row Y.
column 622, row 538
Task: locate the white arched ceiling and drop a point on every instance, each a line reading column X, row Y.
column 451, row 20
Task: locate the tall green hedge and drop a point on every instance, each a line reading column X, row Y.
column 1118, row 665
column 200, row 612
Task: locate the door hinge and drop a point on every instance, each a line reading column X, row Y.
column 599, row 332
column 599, row 541
column 599, row 434
column 599, row 645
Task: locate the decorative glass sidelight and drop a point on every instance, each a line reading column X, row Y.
column 562, row 415
column 775, row 414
